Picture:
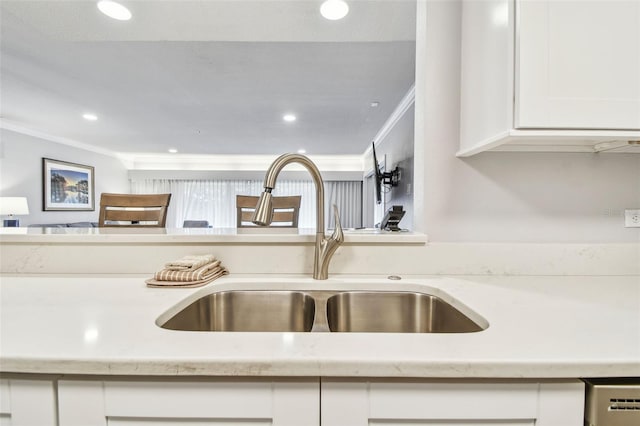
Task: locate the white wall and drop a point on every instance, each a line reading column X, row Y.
column 505, row 197
column 398, row 148
column 21, row 174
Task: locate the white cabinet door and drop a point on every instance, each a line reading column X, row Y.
column 27, row 402
column 550, row 76
column 205, row 402
column 361, row 403
column 578, row 64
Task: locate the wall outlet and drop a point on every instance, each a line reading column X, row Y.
column 632, row 218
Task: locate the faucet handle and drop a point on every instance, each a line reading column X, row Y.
column 326, row 248
column 337, row 235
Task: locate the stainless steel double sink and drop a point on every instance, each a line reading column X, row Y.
column 322, row 311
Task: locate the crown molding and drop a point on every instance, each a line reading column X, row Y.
column 337, row 163
column 398, row 113
column 147, row 161
column 16, row 128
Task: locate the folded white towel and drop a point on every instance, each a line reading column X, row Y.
column 201, row 273
column 182, row 284
column 189, row 263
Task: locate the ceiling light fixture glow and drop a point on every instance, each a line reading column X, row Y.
column 173, row 150
column 289, row 118
column 90, row 117
column 114, row 10
column 334, row 9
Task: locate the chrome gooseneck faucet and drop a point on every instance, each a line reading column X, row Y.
column 325, row 247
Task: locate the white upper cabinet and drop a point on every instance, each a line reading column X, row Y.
column 578, row 65
column 550, row 76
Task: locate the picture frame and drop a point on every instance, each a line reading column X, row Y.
column 67, row 186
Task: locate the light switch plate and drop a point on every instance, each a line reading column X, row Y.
column 632, row 218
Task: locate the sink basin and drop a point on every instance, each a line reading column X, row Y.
column 331, row 310
column 395, row 312
column 283, row 311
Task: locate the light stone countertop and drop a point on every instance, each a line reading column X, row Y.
column 200, row 235
column 539, row 327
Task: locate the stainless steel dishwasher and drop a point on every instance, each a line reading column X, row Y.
column 612, row 402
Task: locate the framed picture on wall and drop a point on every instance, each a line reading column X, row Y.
column 67, row 186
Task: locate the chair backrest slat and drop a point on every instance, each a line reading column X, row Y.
column 139, row 210
column 285, row 211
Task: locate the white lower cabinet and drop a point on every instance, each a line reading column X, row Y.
column 232, row 401
column 27, row 402
column 434, row 403
column 289, row 402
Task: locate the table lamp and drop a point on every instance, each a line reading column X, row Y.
column 13, row 206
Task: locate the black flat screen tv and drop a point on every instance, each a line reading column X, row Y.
column 378, row 175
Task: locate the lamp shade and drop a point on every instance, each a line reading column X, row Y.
column 13, row 206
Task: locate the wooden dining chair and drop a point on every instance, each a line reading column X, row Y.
column 133, row 210
column 285, row 211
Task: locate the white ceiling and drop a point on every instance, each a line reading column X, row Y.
column 206, row 77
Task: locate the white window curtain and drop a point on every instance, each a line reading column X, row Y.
column 347, row 196
column 215, row 200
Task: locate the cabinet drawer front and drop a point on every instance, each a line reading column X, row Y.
column 184, row 400
column 444, row 400
column 292, row 402
column 389, row 402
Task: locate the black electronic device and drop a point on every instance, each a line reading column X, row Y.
column 392, row 218
column 377, row 175
column 383, row 178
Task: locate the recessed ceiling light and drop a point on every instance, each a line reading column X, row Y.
column 90, row 117
column 334, row 9
column 289, row 117
column 375, row 104
column 114, row 10
column 302, row 151
column 173, row 150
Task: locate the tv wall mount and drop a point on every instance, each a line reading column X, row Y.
column 391, row 178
